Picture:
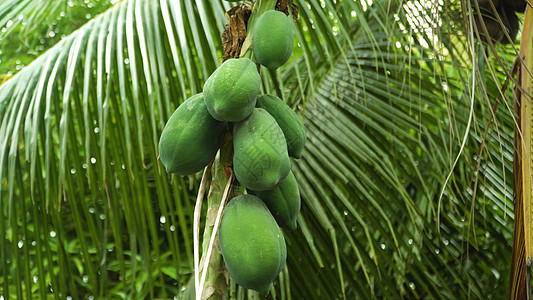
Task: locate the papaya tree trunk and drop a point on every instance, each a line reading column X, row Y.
column 519, row 287
column 216, row 278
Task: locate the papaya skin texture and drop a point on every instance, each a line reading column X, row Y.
column 291, row 124
column 252, row 244
column 261, row 161
column 231, row 91
column 283, row 202
column 191, row 138
column 272, row 39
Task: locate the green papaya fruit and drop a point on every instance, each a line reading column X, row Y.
column 231, row 91
column 191, row 138
column 291, row 124
column 252, row 244
column 260, row 160
column 283, row 202
column 272, row 39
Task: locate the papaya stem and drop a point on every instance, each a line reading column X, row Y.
column 260, row 7
column 274, row 77
column 213, row 235
column 196, row 226
column 213, row 285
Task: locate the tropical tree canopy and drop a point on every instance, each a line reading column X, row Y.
column 406, row 177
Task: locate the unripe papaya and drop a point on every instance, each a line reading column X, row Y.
column 191, row 138
column 252, row 244
column 283, row 202
column 260, row 160
column 272, row 39
column 231, row 91
column 288, row 121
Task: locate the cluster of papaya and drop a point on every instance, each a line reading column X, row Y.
column 266, row 132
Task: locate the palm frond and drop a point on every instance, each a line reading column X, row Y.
column 30, row 27
column 89, row 127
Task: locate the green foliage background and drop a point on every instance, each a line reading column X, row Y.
column 388, row 90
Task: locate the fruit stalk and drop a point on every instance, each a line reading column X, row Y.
column 260, row 7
